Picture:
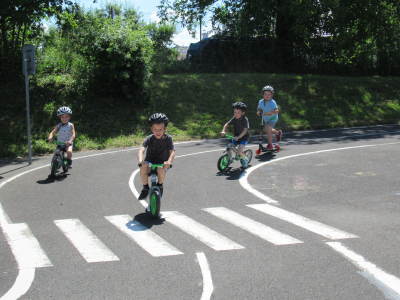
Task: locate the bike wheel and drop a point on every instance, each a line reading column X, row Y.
column 223, row 162
column 54, row 167
column 64, row 164
column 155, row 203
column 249, row 155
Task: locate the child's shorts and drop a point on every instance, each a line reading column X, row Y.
column 270, row 123
column 244, row 143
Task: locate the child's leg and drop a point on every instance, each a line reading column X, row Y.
column 269, row 129
column 69, row 152
column 240, row 150
column 161, row 175
column 144, row 169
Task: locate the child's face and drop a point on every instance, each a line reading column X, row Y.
column 267, row 95
column 65, row 118
column 238, row 113
column 158, row 129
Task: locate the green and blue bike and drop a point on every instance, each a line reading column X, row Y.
column 231, row 154
column 155, row 193
column 59, row 159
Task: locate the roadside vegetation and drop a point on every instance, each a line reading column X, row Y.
column 198, row 106
column 114, row 70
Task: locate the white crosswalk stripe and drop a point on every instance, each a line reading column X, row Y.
column 267, row 233
column 143, row 236
column 313, row 226
column 88, row 245
column 25, row 246
column 200, row 232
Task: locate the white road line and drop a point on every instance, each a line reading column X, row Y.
column 243, row 180
column 390, row 281
column 21, row 284
column 303, row 222
column 25, row 247
column 144, row 237
column 88, row 245
column 200, row 232
column 266, row 233
column 207, row 279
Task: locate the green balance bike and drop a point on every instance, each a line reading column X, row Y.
column 155, row 194
column 231, row 154
column 59, row 159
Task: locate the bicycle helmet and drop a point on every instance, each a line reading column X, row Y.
column 64, row 110
column 239, row 105
column 268, row 88
column 158, row 118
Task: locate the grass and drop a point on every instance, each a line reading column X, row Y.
column 198, row 106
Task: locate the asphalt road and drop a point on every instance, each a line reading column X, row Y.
column 318, row 220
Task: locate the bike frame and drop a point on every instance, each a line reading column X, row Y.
column 154, row 179
column 231, row 147
column 60, row 153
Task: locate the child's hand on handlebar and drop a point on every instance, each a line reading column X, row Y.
column 143, row 163
column 50, row 140
column 222, row 134
column 236, row 138
column 166, row 164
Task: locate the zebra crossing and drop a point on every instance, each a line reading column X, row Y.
column 25, row 245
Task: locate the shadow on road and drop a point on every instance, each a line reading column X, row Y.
column 146, row 220
column 59, row 177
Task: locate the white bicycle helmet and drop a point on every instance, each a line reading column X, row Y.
column 64, row 110
column 158, row 118
column 268, row 88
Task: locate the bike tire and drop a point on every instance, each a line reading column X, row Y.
column 155, row 204
column 64, row 164
column 249, row 155
column 54, row 167
column 223, row 162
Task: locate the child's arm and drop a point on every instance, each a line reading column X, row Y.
column 224, row 129
column 68, row 143
column 140, row 156
column 259, row 112
column 168, row 163
column 242, row 134
column 52, row 134
column 272, row 112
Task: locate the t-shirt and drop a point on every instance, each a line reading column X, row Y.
column 268, row 106
column 158, row 149
column 64, row 133
column 239, row 125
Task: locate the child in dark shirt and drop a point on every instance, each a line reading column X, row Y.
column 240, row 129
column 160, row 150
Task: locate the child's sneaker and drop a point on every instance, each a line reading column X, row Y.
column 143, row 194
column 270, row 146
column 278, row 136
column 69, row 163
column 244, row 163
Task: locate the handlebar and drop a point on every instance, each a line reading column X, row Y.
column 58, row 143
column 153, row 166
column 229, row 136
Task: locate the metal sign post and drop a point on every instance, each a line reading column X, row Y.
column 28, row 68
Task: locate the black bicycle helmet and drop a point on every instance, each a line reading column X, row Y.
column 268, row 88
column 239, row 105
column 64, row 110
column 158, row 118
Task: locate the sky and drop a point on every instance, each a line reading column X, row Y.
column 147, row 7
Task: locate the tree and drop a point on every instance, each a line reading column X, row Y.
column 20, row 20
column 345, row 34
